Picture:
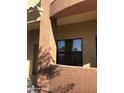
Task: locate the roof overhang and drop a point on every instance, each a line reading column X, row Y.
column 62, row 8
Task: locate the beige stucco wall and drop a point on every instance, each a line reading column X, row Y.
column 32, row 38
column 62, row 8
column 59, row 5
column 46, row 39
column 85, row 30
column 74, row 80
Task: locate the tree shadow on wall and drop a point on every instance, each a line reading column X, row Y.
column 33, row 13
column 48, row 70
column 63, row 89
column 45, row 64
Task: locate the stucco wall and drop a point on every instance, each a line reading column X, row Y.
column 71, row 79
column 74, row 80
column 32, row 38
column 85, row 30
column 46, row 40
column 61, row 8
column 46, row 44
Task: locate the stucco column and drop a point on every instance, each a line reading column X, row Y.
column 46, row 40
column 47, row 47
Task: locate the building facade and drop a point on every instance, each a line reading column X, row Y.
column 62, row 45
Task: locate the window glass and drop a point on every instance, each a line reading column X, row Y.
column 76, row 45
column 61, row 46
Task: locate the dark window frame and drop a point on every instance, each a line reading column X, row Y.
column 71, row 52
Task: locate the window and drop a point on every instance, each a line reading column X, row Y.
column 69, row 52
